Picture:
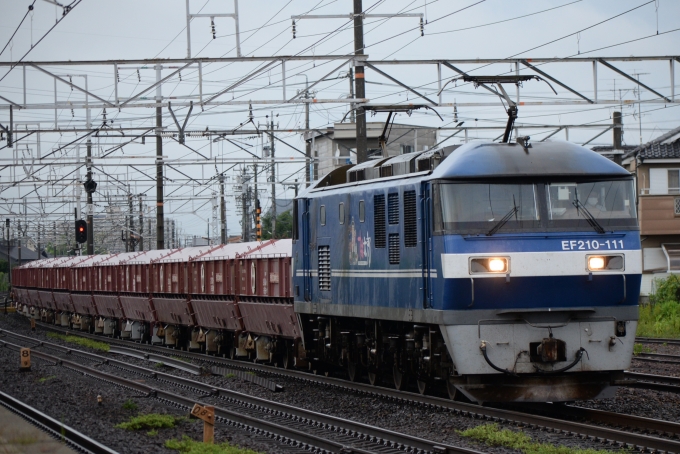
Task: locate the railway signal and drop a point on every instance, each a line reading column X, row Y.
column 81, row 231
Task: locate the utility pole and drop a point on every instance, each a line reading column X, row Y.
column 132, row 223
column 274, row 173
column 308, row 143
column 639, row 104
column 39, row 254
column 160, row 237
column 90, row 217
column 223, row 212
column 352, row 115
column 362, row 151
column 141, row 224
column 618, row 135
column 9, row 248
column 19, row 242
column 257, row 201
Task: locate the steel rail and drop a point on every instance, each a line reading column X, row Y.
column 360, row 431
column 477, row 411
column 655, row 340
column 53, row 427
column 172, row 362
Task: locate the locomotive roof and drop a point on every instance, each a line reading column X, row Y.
column 552, row 159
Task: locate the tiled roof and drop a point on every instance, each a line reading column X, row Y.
column 663, row 147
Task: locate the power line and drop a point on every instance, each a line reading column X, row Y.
column 30, row 8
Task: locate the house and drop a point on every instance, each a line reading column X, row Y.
column 28, row 252
column 336, row 146
column 656, row 166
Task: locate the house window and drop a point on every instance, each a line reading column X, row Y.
column 362, row 211
column 674, row 183
column 322, row 214
column 677, row 206
column 406, row 148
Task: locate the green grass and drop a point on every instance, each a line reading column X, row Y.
column 661, row 317
column 639, row 348
column 189, row 446
column 130, row 405
column 158, row 365
column 152, row 433
column 250, row 372
column 44, row 379
column 230, row 375
column 150, row 421
column 93, row 344
column 491, row 435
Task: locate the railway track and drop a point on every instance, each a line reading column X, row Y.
column 302, row 428
column 554, row 423
column 56, row 429
column 657, row 358
column 655, row 340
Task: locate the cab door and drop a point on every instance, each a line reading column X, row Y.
column 306, row 241
column 428, row 248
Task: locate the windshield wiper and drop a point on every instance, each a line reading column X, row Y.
column 590, row 219
column 505, row 219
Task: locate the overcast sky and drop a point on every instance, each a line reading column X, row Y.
column 453, row 29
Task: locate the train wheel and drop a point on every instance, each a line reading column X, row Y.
column 287, row 360
column 453, row 392
column 400, row 379
column 352, row 371
column 422, row 386
column 373, row 378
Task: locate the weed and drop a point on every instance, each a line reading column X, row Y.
column 150, row 421
column 639, row 349
column 93, row 344
column 130, row 405
column 23, row 439
column 250, row 372
column 491, row 435
column 159, row 365
column 181, row 358
column 44, row 379
column 152, row 433
column 189, row 446
column 230, row 375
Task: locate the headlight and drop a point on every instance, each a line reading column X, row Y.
column 604, row 262
column 489, row 265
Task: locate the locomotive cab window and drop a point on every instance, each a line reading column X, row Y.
column 610, row 203
column 341, row 213
column 322, row 214
column 487, row 207
column 362, row 211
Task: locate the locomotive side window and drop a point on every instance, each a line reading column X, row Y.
column 379, row 220
column 410, row 219
column 322, row 214
column 362, row 211
column 341, row 213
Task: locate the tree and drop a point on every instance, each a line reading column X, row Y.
column 284, row 225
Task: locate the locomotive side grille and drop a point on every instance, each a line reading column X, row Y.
column 394, row 249
column 410, row 219
column 324, row 268
column 379, row 220
column 393, row 208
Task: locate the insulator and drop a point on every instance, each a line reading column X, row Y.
column 139, row 77
column 118, row 75
column 180, row 76
column 72, row 114
column 293, row 29
column 422, row 27
column 70, row 80
column 212, row 25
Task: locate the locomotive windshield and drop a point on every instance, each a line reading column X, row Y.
column 489, row 208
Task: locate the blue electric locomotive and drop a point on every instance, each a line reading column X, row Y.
column 502, row 271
